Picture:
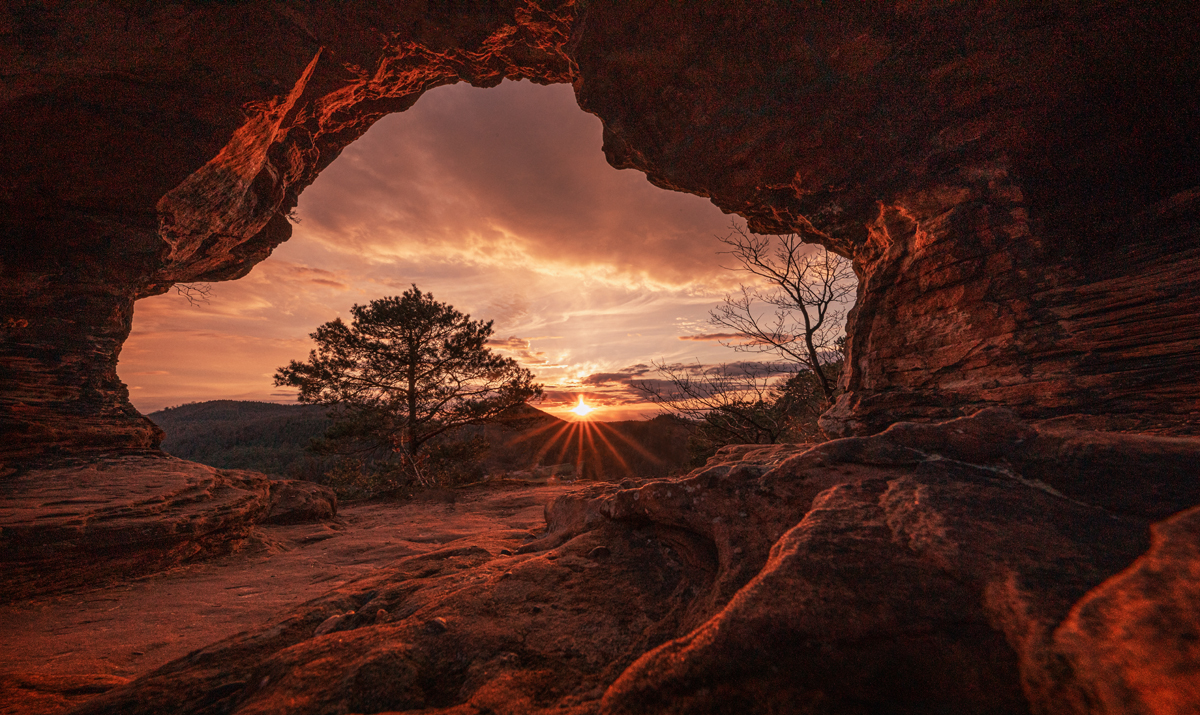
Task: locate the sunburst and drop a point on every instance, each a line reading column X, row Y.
column 582, row 409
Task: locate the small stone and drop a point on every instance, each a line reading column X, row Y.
column 381, row 616
column 436, row 625
column 600, row 552
column 505, row 552
column 330, row 624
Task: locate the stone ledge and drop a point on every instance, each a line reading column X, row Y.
column 120, row 517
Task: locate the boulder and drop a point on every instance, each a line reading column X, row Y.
column 108, row 519
column 294, row 501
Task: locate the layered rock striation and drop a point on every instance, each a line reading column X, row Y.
column 927, row 569
column 154, row 144
column 1018, row 184
column 111, row 519
column 1015, row 181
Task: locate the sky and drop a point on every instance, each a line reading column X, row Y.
column 497, row 201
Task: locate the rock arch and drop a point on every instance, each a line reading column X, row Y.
column 1016, row 182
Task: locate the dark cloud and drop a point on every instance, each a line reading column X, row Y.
column 737, row 367
column 714, row 337
column 605, row 378
column 622, row 386
column 522, row 350
column 624, row 376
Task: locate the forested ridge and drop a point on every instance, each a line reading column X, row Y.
column 233, row 434
column 273, row 438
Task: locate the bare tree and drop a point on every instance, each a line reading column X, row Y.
column 804, row 289
column 731, row 404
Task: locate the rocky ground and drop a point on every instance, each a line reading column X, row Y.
column 63, row 649
column 983, row 565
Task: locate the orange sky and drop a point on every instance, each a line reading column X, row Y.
column 500, row 203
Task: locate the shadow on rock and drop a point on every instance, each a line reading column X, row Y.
column 943, row 568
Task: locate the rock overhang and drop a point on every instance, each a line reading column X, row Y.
column 998, row 172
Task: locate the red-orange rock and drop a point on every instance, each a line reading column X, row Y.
column 1134, row 642
column 1016, row 182
column 914, row 571
column 108, row 519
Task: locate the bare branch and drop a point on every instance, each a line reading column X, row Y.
column 734, row 403
column 195, row 293
column 794, row 309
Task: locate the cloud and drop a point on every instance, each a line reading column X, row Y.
column 498, row 202
column 522, row 349
column 475, row 175
column 509, row 309
column 624, row 376
column 714, row 337
column 737, row 367
column 606, row 378
column 287, row 271
column 621, row 387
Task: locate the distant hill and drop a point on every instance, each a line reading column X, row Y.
column 233, row 434
column 272, row 438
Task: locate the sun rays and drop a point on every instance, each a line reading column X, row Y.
column 596, row 449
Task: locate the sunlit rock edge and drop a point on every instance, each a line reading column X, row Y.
column 983, row 565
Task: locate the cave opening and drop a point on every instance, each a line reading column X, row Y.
column 498, row 201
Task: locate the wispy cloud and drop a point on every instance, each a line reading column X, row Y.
column 511, row 179
column 522, row 350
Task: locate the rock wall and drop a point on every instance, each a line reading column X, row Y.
column 151, row 144
column 1016, row 181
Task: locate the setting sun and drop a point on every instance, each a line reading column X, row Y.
column 582, row 408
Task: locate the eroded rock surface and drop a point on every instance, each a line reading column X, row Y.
column 916, row 571
column 1016, row 181
column 65, row 648
column 113, row 518
column 1134, row 642
column 192, row 129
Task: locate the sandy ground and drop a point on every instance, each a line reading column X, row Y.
column 60, row 650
